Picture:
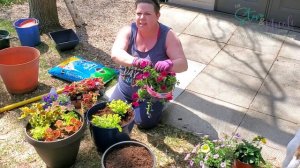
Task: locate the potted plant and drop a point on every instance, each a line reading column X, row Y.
column 248, row 153
column 128, row 154
column 155, row 89
column 212, row 153
column 110, row 122
column 54, row 129
column 76, row 90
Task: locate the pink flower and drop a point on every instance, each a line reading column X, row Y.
column 164, row 73
column 159, row 79
column 143, row 64
column 172, row 73
column 146, row 75
column 139, row 77
column 163, row 87
column 135, row 104
column 135, row 96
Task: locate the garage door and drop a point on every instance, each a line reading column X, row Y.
column 285, row 12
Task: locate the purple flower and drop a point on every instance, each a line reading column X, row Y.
column 187, row 156
column 216, row 156
column 191, row 163
column 237, row 136
column 223, row 164
column 50, row 97
column 196, row 148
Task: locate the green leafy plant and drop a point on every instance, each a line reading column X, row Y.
column 119, row 107
column 250, row 151
column 212, row 153
column 113, row 114
column 52, row 119
column 107, row 121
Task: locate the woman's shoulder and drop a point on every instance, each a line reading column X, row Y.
column 164, row 27
column 126, row 30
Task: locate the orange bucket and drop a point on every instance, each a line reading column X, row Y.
column 19, row 69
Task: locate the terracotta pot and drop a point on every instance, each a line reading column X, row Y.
column 238, row 164
column 19, row 68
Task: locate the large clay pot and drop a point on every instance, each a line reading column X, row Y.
column 238, row 164
column 19, row 69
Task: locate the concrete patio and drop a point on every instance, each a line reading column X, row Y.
column 241, row 78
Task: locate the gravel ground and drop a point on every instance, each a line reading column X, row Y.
column 104, row 18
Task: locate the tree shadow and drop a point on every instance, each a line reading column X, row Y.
column 168, row 139
column 195, row 106
column 42, row 47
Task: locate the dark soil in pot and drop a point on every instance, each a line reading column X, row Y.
column 128, row 154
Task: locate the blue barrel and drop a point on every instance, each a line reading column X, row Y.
column 28, row 35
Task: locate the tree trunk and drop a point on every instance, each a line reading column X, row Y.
column 46, row 12
column 78, row 21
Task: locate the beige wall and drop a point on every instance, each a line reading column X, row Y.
column 202, row 4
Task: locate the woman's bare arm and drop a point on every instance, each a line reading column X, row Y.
column 175, row 53
column 119, row 50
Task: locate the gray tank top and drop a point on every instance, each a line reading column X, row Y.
column 157, row 53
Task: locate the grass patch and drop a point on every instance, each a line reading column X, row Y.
column 7, row 25
column 11, row 2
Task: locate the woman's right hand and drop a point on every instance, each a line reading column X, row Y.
column 141, row 62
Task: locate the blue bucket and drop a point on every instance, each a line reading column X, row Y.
column 29, row 35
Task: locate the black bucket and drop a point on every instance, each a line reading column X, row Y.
column 4, row 39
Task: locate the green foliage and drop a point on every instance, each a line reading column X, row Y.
column 52, row 119
column 212, row 153
column 39, row 132
column 250, row 152
column 7, row 25
column 10, row 2
column 68, row 116
column 38, row 116
column 63, row 99
column 119, row 107
column 107, row 121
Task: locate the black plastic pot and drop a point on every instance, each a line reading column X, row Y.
column 105, row 137
column 4, row 39
column 61, row 153
column 142, row 119
column 122, row 145
column 65, row 39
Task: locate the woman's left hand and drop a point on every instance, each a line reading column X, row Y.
column 164, row 65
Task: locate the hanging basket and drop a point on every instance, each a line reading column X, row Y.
column 158, row 95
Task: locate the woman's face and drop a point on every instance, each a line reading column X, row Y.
column 146, row 17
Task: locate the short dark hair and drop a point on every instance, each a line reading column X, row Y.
column 155, row 4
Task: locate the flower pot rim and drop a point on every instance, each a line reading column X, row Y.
column 88, row 120
column 9, row 49
column 76, row 134
column 128, row 142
